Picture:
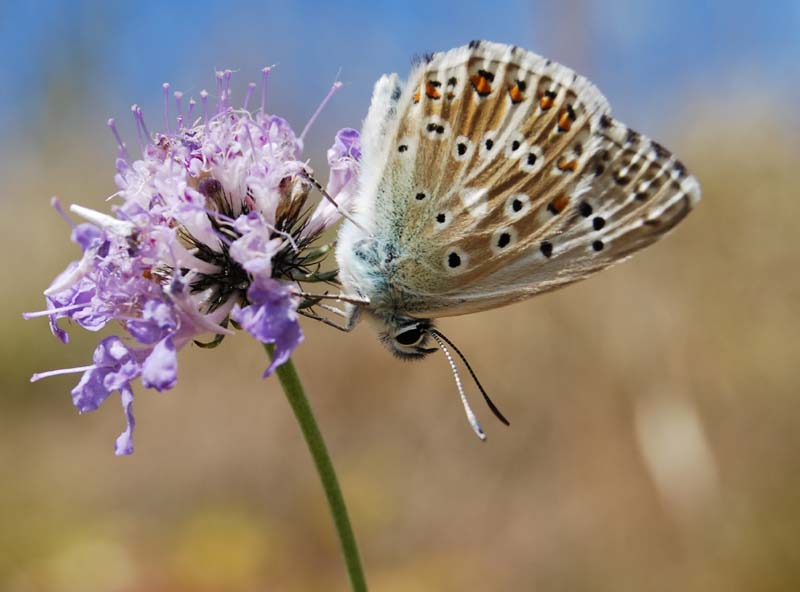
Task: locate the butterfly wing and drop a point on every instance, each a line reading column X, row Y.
column 500, row 175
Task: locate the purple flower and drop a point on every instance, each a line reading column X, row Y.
column 256, row 247
column 211, row 224
column 158, row 319
column 115, row 365
column 160, row 368
column 343, row 158
column 271, row 318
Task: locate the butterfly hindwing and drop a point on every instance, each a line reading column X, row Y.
column 504, row 176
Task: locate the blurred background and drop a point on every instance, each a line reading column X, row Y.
column 655, row 439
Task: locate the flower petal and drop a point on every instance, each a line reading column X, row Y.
column 343, row 158
column 271, row 318
column 255, row 249
column 90, row 391
column 160, row 369
column 158, row 318
column 124, row 444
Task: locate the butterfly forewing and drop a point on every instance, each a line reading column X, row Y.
column 505, row 176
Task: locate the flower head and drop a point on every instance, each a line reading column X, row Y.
column 213, row 228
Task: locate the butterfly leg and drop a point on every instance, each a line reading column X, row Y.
column 340, row 297
column 353, row 314
column 333, row 309
column 330, row 323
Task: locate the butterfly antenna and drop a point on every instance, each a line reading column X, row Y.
column 473, row 421
column 435, row 333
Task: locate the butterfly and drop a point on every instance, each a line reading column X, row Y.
column 492, row 175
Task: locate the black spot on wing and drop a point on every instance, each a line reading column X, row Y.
column 632, row 136
column 453, row 260
column 420, row 59
column 660, row 151
column 487, row 75
column 503, row 240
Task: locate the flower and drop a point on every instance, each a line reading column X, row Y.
column 212, row 229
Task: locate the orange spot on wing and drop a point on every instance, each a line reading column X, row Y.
column 481, row 84
column 546, row 102
column 565, row 119
column 515, row 93
column 416, row 97
column 565, row 165
column 431, row 92
column 557, row 205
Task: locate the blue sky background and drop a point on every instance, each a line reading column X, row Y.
column 76, row 63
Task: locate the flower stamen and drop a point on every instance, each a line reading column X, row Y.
column 49, row 373
column 55, row 203
column 165, row 87
column 204, row 100
column 122, row 151
column 251, row 87
column 192, row 104
column 179, row 108
column 264, row 77
column 336, row 86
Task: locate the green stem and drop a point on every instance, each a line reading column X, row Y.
column 316, row 445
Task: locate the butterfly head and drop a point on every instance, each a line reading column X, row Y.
column 406, row 337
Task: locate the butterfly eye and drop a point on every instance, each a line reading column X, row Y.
column 410, row 336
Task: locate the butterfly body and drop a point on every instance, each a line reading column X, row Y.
column 490, row 176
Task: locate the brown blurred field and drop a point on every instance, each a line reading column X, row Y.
column 655, row 439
